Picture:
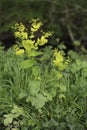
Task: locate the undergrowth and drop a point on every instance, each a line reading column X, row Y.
column 41, row 89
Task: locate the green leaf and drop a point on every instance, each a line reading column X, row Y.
column 27, row 44
column 22, row 95
column 37, row 101
column 62, row 88
column 61, row 96
column 34, row 53
column 8, row 120
column 78, row 62
column 48, row 96
column 17, row 111
column 36, row 70
column 36, row 128
column 27, row 63
column 76, row 43
column 34, row 86
column 15, row 129
column 84, row 64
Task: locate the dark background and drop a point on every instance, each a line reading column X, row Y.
column 67, row 18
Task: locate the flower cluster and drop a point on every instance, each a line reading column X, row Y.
column 35, row 25
column 20, row 31
column 43, row 40
column 59, row 60
column 28, row 43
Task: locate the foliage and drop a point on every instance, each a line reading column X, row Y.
column 30, row 80
column 38, row 89
column 66, row 110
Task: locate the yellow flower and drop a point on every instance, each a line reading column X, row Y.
column 20, row 51
column 35, row 25
column 58, row 58
column 15, row 47
column 29, row 45
column 24, row 35
column 28, row 42
column 31, row 36
column 47, row 34
column 17, row 34
column 41, row 41
column 21, row 27
column 20, row 33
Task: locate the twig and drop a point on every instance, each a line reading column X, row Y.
column 68, row 24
